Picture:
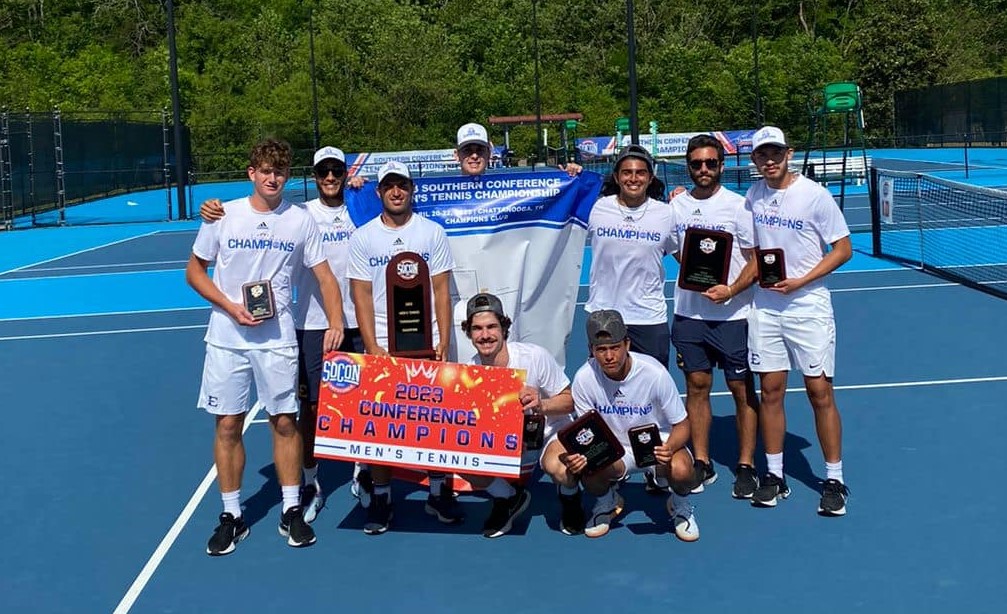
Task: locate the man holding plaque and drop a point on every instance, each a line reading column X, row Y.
column 547, row 403
column 792, row 317
column 629, row 390
column 373, row 246
column 710, row 326
column 258, row 249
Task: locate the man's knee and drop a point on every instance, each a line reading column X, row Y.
column 229, row 428
column 284, row 425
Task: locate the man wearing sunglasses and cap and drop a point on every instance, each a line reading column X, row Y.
column 792, row 319
column 546, row 393
column 711, row 328
column 333, row 220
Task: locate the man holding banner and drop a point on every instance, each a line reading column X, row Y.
column 545, row 398
column 396, row 230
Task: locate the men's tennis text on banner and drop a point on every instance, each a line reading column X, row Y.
column 420, row 414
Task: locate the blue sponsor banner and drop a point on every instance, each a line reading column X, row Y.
column 420, row 162
column 491, row 203
column 669, row 145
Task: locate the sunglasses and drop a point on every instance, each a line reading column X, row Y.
column 323, row 170
column 472, row 149
column 710, row 163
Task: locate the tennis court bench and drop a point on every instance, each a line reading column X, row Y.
column 829, row 169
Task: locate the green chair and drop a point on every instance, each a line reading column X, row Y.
column 839, row 98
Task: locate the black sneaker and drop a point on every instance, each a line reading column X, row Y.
column 704, row 475
column 746, row 482
column 363, row 487
column 379, row 515
column 771, row 489
column 444, row 507
column 833, row 502
column 226, row 536
column 292, row 526
column 651, row 487
column 312, row 502
column 504, row 512
column 572, row 518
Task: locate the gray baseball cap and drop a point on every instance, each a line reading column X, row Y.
column 605, row 326
column 481, row 302
column 635, row 151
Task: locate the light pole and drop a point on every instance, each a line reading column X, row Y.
column 181, row 167
column 538, row 96
column 634, row 125
column 755, row 61
column 314, row 83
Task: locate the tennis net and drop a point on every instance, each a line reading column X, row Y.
column 954, row 230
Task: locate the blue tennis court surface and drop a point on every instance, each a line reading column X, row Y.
column 110, row 491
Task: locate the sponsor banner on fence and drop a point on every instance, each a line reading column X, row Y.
column 669, row 145
column 420, row 414
column 518, row 235
column 420, row 161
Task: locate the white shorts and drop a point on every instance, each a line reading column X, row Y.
column 228, row 375
column 773, row 339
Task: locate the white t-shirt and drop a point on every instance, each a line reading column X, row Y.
column 627, row 259
column 802, row 219
column 374, row 244
column 724, row 211
column 336, row 228
column 542, row 372
column 248, row 245
column 647, row 395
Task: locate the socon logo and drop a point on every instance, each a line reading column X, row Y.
column 408, row 269
column 341, row 374
column 585, row 436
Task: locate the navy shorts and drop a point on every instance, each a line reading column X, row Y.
column 702, row 345
column 309, row 358
column 651, row 339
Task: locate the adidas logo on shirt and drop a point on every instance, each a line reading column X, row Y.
column 629, row 219
column 697, row 212
column 618, row 394
column 262, row 226
column 398, row 242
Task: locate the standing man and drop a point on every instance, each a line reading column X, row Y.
column 372, row 246
column 793, row 319
column 711, row 328
column 546, row 392
column 267, row 241
column 336, row 227
column 630, row 389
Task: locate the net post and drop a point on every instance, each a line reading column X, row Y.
column 872, row 196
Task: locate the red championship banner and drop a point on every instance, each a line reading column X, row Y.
column 420, row 414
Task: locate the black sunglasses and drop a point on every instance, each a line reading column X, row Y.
column 473, row 148
column 710, row 163
column 323, row 170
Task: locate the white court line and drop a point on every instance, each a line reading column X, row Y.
column 176, row 529
column 933, row 382
column 111, row 274
column 104, row 313
column 92, row 333
column 83, row 251
column 107, row 266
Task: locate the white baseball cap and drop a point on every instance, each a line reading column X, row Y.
column 768, row 135
column 393, row 167
column 473, row 133
column 329, row 153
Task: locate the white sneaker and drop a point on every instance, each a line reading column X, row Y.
column 312, row 501
column 602, row 515
column 683, row 518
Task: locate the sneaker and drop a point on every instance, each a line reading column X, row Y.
column 833, row 502
column 683, row 518
column 292, row 526
column 602, row 516
column 312, row 501
column 444, row 507
column 379, row 515
column 226, row 536
column 651, row 487
column 572, row 520
column 746, row 482
column 771, row 489
column 363, row 487
column 705, row 475
column 504, row 512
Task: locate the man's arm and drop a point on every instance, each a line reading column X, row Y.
column 442, row 308
column 749, row 273
column 841, row 252
column 211, row 210
column 332, row 302
column 198, row 278
column 363, row 305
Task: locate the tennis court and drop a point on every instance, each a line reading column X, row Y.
column 111, row 494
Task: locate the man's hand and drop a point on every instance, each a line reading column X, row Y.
column 356, row 182
column 719, row 294
column 241, row 315
column 676, row 191
column 575, row 463
column 530, row 399
column 376, row 350
column 572, row 168
column 787, row 285
column 663, row 453
column 211, row 210
column 441, row 350
column 333, row 339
